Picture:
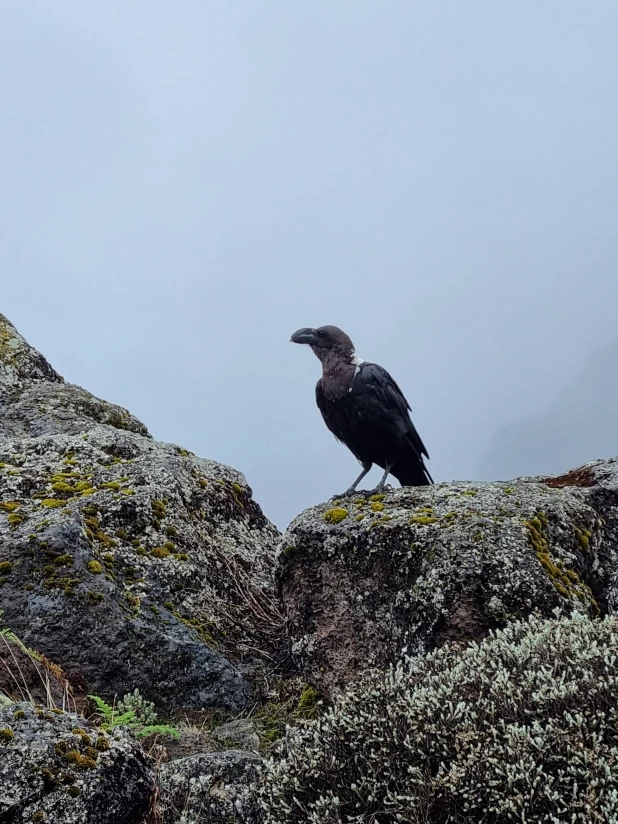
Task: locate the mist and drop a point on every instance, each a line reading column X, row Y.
column 184, row 185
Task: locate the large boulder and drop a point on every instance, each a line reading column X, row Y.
column 364, row 580
column 55, row 767
column 129, row 562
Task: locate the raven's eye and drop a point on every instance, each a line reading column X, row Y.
column 321, row 334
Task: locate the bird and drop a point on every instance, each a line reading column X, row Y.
column 366, row 410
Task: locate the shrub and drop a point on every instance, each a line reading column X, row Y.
column 144, row 710
column 522, row 727
column 133, row 712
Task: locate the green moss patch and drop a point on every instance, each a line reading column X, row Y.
column 336, row 515
column 9, row 506
column 566, row 581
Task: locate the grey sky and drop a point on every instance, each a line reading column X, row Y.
column 184, row 184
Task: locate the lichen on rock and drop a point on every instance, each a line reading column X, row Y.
column 434, row 564
column 127, row 561
column 49, row 771
column 210, row 788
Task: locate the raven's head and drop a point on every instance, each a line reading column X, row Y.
column 327, row 342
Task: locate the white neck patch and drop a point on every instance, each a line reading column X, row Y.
column 356, row 361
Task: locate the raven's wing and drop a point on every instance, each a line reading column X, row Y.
column 331, row 414
column 375, row 380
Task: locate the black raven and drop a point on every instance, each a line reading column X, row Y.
column 363, row 407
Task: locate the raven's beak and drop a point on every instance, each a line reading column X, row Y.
column 306, row 335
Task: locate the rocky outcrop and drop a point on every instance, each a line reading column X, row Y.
column 209, row 788
column 365, row 580
column 36, row 400
column 55, row 767
column 130, row 563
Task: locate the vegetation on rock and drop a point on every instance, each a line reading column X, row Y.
column 519, row 728
column 134, row 713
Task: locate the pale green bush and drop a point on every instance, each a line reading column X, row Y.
column 522, row 727
column 144, row 710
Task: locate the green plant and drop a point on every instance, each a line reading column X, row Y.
column 519, row 728
column 126, row 714
column 144, row 710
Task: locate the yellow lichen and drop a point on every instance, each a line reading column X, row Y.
column 6, row 735
column 63, row 560
column 82, row 762
column 583, row 537
column 9, row 506
column 566, row 581
column 336, row 515
column 83, row 735
column 63, row 486
column 158, row 509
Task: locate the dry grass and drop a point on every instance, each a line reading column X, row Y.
column 252, row 618
column 27, row 676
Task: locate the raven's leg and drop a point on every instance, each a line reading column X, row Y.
column 352, row 489
column 380, row 487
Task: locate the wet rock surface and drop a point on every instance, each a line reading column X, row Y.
column 125, row 560
column 365, row 580
column 55, row 767
column 210, row 788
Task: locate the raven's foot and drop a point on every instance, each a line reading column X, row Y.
column 381, row 489
column 359, row 493
column 345, row 494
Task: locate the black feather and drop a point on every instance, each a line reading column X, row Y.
column 370, row 415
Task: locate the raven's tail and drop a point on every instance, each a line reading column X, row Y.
column 410, row 470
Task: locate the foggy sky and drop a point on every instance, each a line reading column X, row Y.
column 579, row 425
column 184, row 184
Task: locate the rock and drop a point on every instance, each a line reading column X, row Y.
column 209, row 788
column 241, row 732
column 129, row 562
column 55, row 767
column 36, row 400
column 365, row 580
column 192, row 741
